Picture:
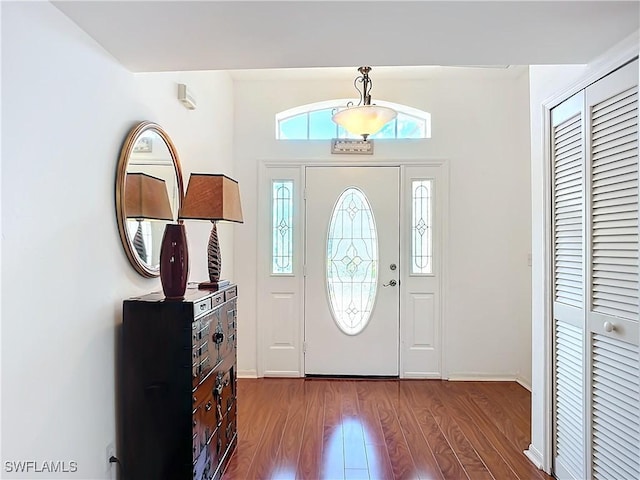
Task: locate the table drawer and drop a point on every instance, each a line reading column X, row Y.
column 217, row 299
column 202, row 307
column 230, row 293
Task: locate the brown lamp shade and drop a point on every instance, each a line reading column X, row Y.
column 146, row 197
column 212, row 197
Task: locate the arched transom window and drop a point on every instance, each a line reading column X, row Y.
column 313, row 122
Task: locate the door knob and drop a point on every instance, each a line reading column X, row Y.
column 392, row 283
column 609, row 327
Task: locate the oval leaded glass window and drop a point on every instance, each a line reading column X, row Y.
column 352, row 261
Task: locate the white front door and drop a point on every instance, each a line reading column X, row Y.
column 352, row 286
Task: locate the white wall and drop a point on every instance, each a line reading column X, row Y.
column 204, row 140
column 66, row 109
column 480, row 124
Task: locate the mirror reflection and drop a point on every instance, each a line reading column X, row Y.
column 150, row 193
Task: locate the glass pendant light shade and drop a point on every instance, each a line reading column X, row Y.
column 364, row 120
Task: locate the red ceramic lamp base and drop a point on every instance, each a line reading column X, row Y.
column 174, row 262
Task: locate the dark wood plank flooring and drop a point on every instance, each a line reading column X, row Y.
column 381, row 430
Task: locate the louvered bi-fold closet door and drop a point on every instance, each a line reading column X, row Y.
column 567, row 149
column 612, row 314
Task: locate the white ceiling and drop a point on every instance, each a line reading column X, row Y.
column 221, row 35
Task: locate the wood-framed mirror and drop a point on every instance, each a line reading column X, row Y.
column 149, row 193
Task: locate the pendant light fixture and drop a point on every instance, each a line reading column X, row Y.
column 364, row 119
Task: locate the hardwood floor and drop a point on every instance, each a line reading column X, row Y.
column 381, row 429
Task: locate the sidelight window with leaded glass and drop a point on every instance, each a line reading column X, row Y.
column 282, row 227
column 421, row 227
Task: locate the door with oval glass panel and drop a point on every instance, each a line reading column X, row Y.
column 352, row 271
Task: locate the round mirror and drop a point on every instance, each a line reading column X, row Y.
column 148, row 194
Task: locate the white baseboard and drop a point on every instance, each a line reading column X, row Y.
column 524, row 383
column 480, row 377
column 421, row 375
column 456, row 377
column 534, row 456
column 282, row 373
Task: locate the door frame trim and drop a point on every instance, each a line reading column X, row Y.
column 263, row 253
